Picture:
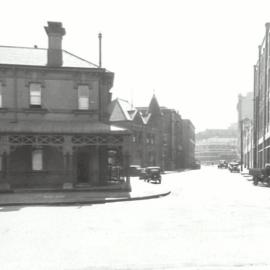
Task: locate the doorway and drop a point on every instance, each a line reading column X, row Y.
column 83, row 167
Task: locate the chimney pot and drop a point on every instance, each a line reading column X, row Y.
column 55, row 33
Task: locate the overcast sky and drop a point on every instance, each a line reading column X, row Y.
column 196, row 55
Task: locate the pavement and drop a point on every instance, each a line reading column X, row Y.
column 245, row 173
column 140, row 191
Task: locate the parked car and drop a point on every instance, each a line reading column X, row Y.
column 196, row 165
column 223, row 164
column 153, row 174
column 142, row 174
column 261, row 175
column 134, row 170
column 234, row 167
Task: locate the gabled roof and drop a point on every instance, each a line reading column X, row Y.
column 38, row 57
column 146, row 118
column 119, row 110
column 132, row 113
column 137, row 117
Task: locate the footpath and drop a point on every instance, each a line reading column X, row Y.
column 140, row 191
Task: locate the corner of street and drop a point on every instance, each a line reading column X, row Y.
column 140, row 190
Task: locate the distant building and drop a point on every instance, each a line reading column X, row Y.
column 145, row 147
column 188, row 143
column 160, row 136
column 172, row 130
column 213, row 145
column 245, row 129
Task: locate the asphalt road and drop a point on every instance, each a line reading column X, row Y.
column 212, row 220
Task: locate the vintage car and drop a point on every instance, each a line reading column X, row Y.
column 134, row 170
column 196, row 165
column 142, row 174
column 223, row 164
column 234, row 167
column 261, row 175
column 153, row 174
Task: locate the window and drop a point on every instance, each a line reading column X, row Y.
column 83, row 97
column 37, row 160
column 35, row 95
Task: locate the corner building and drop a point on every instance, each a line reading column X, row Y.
column 54, row 130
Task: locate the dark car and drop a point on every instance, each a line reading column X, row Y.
column 142, row 174
column 223, row 164
column 153, row 174
column 196, row 165
column 134, row 170
column 234, row 167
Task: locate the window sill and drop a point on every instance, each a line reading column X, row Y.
column 84, row 111
column 3, row 109
column 35, row 110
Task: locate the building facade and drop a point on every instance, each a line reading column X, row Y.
column 188, row 143
column 54, row 121
column 213, row 145
column 145, row 147
column 261, row 104
column 160, row 136
column 245, row 129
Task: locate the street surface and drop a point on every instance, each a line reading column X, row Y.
column 212, row 220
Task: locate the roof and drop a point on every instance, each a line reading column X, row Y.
column 59, row 127
column 119, row 110
column 38, row 57
column 146, row 118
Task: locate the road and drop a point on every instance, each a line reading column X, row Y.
column 212, row 220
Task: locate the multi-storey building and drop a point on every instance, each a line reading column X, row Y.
column 245, row 128
column 160, row 136
column 54, row 129
column 213, row 145
column 173, row 136
column 188, row 143
column 145, row 148
column 261, row 114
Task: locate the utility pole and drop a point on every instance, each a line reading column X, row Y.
column 100, row 49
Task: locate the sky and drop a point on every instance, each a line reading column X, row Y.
column 196, row 56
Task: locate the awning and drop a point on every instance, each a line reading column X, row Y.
column 60, row 127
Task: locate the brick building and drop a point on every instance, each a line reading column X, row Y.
column 159, row 135
column 54, row 130
column 261, row 104
column 188, row 143
column 145, row 125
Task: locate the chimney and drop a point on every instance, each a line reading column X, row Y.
column 55, row 32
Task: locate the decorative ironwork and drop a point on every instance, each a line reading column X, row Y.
column 77, row 140
column 36, row 139
column 96, row 140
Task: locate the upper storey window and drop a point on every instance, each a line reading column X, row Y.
column 35, row 95
column 83, row 97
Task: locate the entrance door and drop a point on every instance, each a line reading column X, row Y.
column 83, row 167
